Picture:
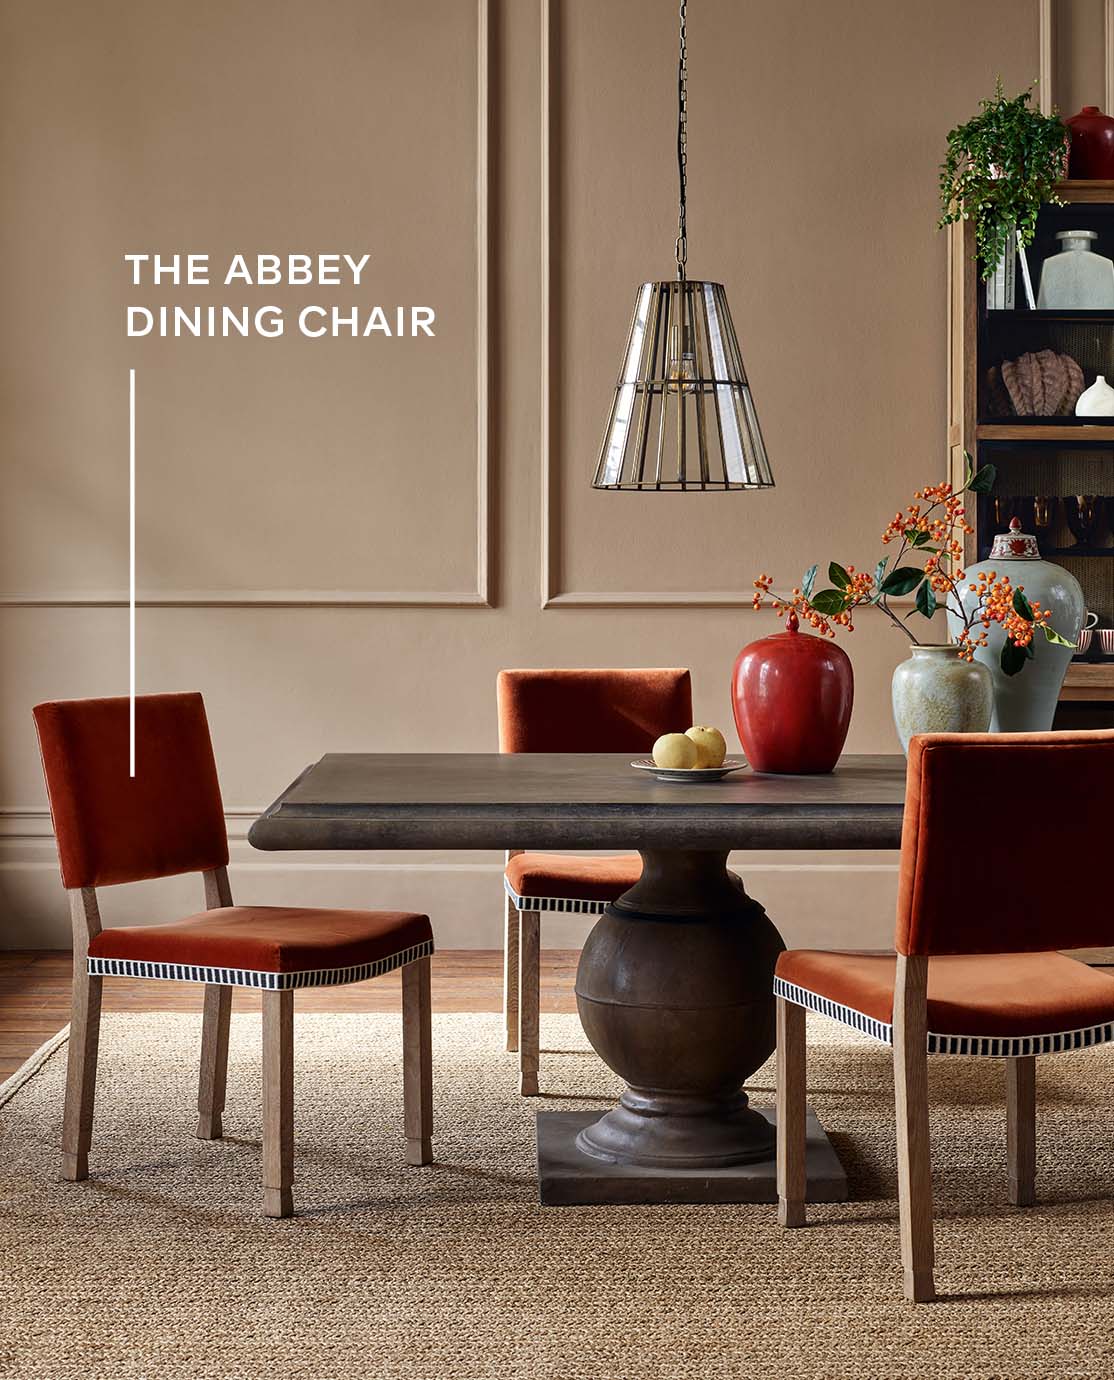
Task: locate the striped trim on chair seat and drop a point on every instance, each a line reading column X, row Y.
column 994, row 1047
column 571, row 905
column 250, row 977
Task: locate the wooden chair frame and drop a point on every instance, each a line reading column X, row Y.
column 914, row 1166
column 278, row 1059
column 522, row 988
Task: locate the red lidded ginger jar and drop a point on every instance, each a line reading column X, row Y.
column 792, row 695
column 1092, row 145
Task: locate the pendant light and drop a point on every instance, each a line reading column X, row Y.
column 683, row 416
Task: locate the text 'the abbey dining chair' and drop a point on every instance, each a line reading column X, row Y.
column 976, row 971
column 166, row 820
column 570, row 711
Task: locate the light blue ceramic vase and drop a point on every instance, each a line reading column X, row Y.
column 1026, row 702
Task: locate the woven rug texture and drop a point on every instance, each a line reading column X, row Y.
column 160, row 1265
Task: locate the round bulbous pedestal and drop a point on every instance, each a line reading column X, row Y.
column 674, row 990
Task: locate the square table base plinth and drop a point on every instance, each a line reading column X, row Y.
column 566, row 1176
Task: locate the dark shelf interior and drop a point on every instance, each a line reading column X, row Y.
column 1020, row 316
column 1045, row 475
column 1087, row 336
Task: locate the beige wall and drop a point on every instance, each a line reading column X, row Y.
column 307, row 472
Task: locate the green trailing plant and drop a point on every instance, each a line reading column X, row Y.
column 1001, row 167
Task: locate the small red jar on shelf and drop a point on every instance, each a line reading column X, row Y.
column 1092, row 145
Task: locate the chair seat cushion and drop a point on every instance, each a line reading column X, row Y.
column 982, row 995
column 270, row 946
column 568, row 877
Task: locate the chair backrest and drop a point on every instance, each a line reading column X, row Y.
column 1003, row 842
column 591, row 711
column 114, row 828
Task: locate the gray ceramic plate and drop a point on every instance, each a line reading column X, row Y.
column 690, row 774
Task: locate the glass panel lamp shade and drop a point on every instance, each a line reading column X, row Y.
column 682, row 417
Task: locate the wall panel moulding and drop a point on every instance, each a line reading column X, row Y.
column 478, row 592
column 551, row 595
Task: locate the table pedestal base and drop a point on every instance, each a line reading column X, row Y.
column 567, row 1176
column 674, row 1132
column 675, row 993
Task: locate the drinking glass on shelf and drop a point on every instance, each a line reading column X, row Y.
column 1044, row 512
column 1044, row 517
column 1083, row 512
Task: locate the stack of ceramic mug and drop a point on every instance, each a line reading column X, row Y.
column 1090, row 632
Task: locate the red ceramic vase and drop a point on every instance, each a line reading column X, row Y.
column 1092, row 144
column 792, row 695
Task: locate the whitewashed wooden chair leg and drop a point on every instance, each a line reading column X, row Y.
column 1021, row 1129
column 214, row 1061
column 81, row 1072
column 278, row 1103
column 914, row 1163
column 417, row 1062
column 529, row 998
column 511, row 931
column 791, row 1183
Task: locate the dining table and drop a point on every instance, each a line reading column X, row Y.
column 674, row 982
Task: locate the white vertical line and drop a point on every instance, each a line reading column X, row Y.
column 131, row 572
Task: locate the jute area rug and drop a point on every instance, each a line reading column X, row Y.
column 161, row 1267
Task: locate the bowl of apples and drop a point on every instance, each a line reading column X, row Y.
column 700, row 754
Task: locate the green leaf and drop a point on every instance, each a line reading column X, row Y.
column 983, row 481
column 926, row 599
column 829, row 602
column 920, row 538
column 902, row 580
column 838, row 575
column 968, row 469
column 1013, row 658
column 1051, row 635
column 809, row 581
column 1022, row 606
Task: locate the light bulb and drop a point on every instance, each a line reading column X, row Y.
column 682, row 360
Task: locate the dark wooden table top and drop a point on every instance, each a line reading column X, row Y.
column 564, row 800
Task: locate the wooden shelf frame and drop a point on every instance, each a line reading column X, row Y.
column 1066, row 433
column 1089, row 681
column 1086, row 682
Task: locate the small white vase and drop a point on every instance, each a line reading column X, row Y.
column 936, row 691
column 1096, row 401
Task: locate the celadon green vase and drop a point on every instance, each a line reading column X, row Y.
column 1026, row 702
column 937, row 691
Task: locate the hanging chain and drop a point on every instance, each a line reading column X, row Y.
column 682, row 144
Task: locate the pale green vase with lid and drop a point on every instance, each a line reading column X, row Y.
column 1026, row 702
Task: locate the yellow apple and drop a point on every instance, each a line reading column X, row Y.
column 711, row 746
column 675, row 750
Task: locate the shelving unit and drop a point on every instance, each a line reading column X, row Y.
column 1052, row 459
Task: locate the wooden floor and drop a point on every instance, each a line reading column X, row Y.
column 35, row 993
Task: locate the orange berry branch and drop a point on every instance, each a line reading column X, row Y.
column 932, row 526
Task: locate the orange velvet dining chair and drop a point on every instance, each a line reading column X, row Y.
column 976, row 973
column 570, row 711
column 166, row 820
